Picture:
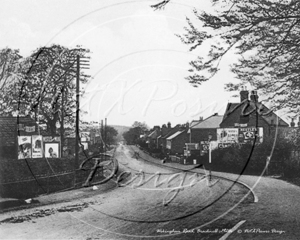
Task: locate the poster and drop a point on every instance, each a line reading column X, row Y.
column 37, row 143
column 52, row 150
column 25, row 147
column 204, row 146
column 248, row 134
column 51, row 139
column 227, row 135
column 85, row 145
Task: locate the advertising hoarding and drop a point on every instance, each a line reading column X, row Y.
column 52, row 146
column 52, row 150
column 248, row 134
column 227, row 135
column 37, row 146
column 25, row 147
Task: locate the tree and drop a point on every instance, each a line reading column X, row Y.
column 132, row 136
column 10, row 72
column 111, row 134
column 265, row 36
column 47, row 88
column 141, row 125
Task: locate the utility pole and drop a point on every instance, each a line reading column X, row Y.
column 105, row 134
column 62, row 130
column 80, row 62
column 101, row 136
column 76, row 162
column 209, row 154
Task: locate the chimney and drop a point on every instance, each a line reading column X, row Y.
column 200, row 119
column 156, row 127
column 254, row 96
column 244, row 94
column 292, row 123
column 169, row 125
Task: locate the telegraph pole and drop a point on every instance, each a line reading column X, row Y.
column 62, row 131
column 105, row 134
column 80, row 62
column 76, row 163
column 101, row 136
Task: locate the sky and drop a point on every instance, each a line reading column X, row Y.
column 138, row 65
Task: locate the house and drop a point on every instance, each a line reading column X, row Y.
column 251, row 117
column 152, row 138
column 162, row 140
column 200, row 131
column 176, row 142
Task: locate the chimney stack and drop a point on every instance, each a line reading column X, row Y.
column 292, row 123
column 244, row 94
column 254, row 96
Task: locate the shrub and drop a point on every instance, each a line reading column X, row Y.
column 251, row 159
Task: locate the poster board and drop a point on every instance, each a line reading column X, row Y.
column 248, row 134
column 51, row 147
column 37, row 146
column 24, row 147
column 227, row 135
column 85, row 145
column 204, row 147
column 52, row 150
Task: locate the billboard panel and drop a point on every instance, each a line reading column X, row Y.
column 204, row 147
column 24, row 143
column 227, row 135
column 192, row 146
column 52, row 150
column 37, row 143
column 248, row 134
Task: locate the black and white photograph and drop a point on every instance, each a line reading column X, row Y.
column 149, row 119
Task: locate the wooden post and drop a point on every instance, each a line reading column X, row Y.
column 77, row 120
column 101, row 137
column 62, row 121
column 105, row 135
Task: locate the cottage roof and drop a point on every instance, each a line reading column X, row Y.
column 210, row 122
column 249, row 106
column 153, row 134
column 195, row 122
column 174, row 135
column 170, row 132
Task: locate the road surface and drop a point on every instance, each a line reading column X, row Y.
column 148, row 201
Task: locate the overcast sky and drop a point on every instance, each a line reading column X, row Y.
column 137, row 63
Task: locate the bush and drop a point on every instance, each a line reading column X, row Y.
column 249, row 159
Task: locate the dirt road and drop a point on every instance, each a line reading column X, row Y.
column 146, row 204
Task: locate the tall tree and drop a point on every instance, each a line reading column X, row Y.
column 111, row 134
column 132, row 136
column 47, row 89
column 265, row 35
column 141, row 125
column 10, row 73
